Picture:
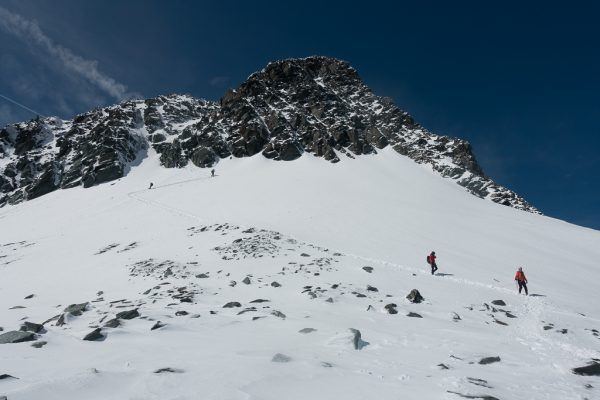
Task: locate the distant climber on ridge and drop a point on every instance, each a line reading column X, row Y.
column 151, row 184
column 521, row 280
column 212, row 173
column 431, row 261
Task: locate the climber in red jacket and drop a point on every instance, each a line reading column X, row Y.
column 431, row 261
column 521, row 280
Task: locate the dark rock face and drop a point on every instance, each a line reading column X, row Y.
column 94, row 335
column 16, row 337
column 414, row 296
column 489, row 360
column 112, row 323
column 315, row 105
column 391, row 308
column 76, row 309
column 129, row 314
column 157, row 325
column 588, row 370
column 31, row 327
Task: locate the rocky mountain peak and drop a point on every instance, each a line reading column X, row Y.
column 315, row 105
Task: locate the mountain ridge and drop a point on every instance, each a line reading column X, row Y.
column 317, row 105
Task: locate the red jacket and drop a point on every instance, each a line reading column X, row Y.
column 431, row 259
column 520, row 276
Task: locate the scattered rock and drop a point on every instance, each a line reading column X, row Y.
column 246, row 280
column 592, row 369
column 307, row 330
column 112, row 323
column 94, row 335
column 414, row 315
column 479, row 382
column 281, row 358
column 76, row 309
column 181, row 313
column 443, row 366
column 278, row 314
column 202, row 276
column 61, row 320
column 329, row 300
column 7, row 376
column 470, row 396
column 16, row 307
column 275, row 284
column 500, row 322
column 498, row 302
column 368, row 269
column 259, row 301
column 509, row 315
column 232, row 304
column 39, row 344
column 414, row 296
column 168, row 369
column 232, row 283
column 326, row 364
column 455, row 317
column 372, row 288
column 489, row 360
column 29, row 296
column 305, row 255
column 357, row 341
column 391, row 308
column 16, row 337
column 31, row 327
column 548, row 327
column 129, row 314
column 157, row 325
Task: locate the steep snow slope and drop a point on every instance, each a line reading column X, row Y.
column 311, row 227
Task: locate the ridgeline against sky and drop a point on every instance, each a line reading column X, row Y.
column 519, row 82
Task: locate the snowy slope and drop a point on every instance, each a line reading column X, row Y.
column 310, row 226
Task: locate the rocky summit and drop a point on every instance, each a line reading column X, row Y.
column 316, row 105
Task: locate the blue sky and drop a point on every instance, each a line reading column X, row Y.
column 520, row 82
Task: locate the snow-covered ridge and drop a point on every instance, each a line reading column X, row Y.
column 317, row 105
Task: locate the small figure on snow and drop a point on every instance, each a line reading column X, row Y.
column 431, row 261
column 212, row 173
column 521, row 280
column 151, row 184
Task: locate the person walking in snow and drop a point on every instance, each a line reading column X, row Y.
column 151, row 184
column 212, row 173
column 521, row 280
column 431, row 261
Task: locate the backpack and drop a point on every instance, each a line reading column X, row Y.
column 428, row 259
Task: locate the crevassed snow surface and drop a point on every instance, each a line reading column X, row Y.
column 311, row 227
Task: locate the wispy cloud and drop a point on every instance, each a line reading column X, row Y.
column 30, row 33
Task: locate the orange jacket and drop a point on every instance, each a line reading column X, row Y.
column 520, row 276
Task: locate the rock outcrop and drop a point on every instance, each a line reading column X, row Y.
column 315, row 105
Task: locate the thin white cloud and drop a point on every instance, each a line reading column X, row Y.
column 30, row 33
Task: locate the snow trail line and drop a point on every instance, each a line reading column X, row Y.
column 135, row 195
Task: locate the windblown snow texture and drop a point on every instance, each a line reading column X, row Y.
column 292, row 281
column 314, row 105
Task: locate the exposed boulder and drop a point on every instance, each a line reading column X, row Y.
column 414, row 296
column 16, row 337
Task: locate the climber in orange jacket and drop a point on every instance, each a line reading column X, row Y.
column 521, row 280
